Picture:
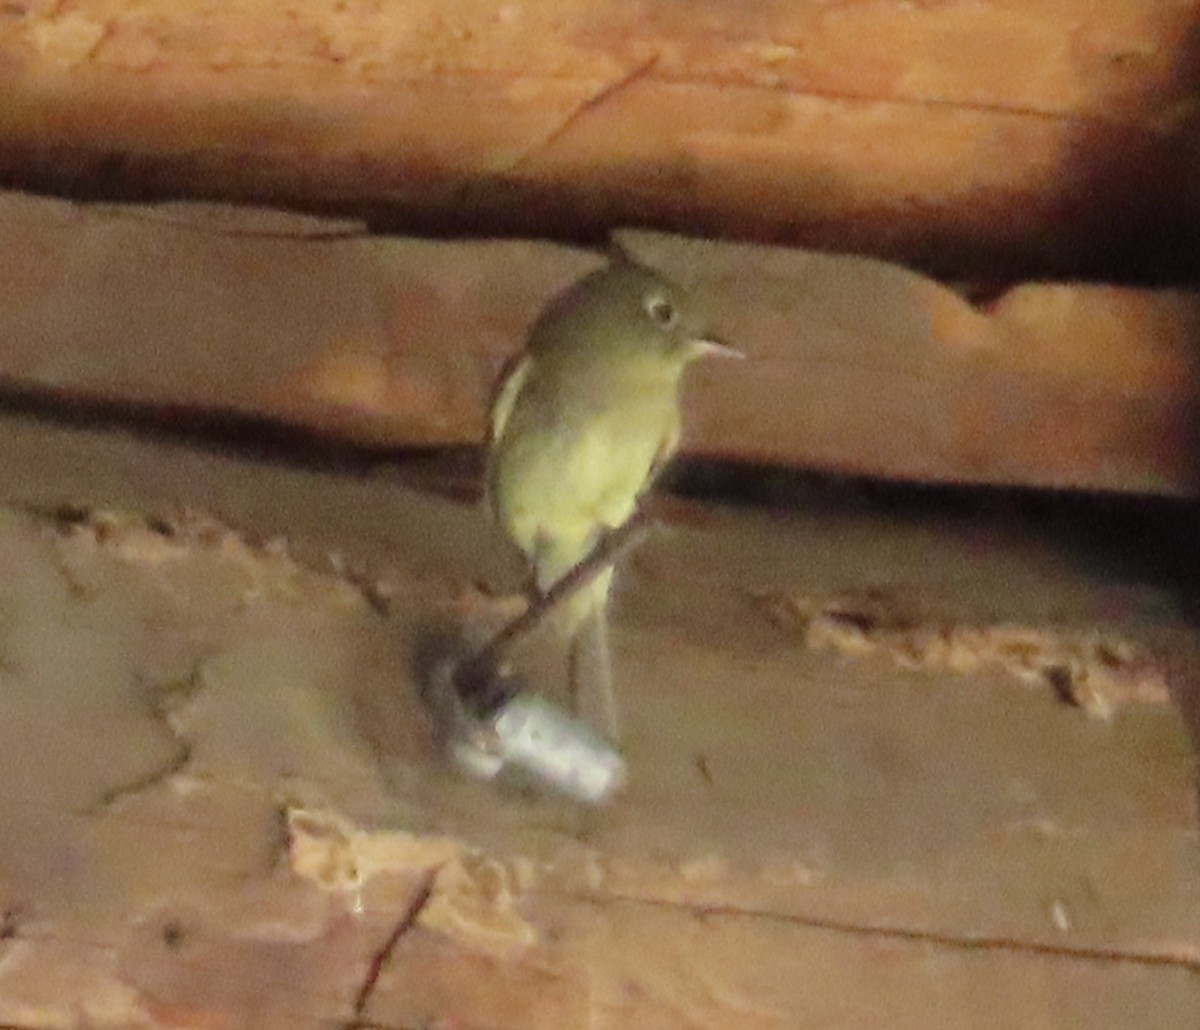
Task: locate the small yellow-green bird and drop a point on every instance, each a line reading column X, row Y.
column 581, row 424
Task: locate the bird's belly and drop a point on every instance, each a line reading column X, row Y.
column 570, row 484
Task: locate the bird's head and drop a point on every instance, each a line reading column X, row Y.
column 629, row 313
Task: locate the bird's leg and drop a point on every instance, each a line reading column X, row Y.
column 589, row 665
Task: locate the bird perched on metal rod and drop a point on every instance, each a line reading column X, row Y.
column 581, row 424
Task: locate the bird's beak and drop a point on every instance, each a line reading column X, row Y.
column 706, row 348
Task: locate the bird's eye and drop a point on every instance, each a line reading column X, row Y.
column 661, row 310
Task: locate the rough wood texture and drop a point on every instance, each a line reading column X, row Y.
column 855, row 365
column 1040, row 133
column 220, row 807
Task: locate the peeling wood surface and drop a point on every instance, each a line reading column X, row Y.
column 809, row 837
column 892, row 127
column 855, row 365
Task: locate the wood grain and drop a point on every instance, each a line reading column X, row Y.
column 189, row 316
column 895, row 128
column 808, row 838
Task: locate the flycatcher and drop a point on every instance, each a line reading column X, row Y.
column 582, row 423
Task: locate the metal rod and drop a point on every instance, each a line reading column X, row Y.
column 476, row 670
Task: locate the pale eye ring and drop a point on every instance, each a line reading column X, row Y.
column 661, row 310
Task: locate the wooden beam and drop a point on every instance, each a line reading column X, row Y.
column 230, row 814
column 855, row 365
column 1035, row 134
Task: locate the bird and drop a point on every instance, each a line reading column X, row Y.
column 582, row 422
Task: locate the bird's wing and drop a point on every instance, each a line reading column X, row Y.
column 504, row 398
column 509, row 384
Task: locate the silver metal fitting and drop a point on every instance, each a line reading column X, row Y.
column 524, row 735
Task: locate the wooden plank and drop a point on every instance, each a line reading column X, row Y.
column 884, row 127
column 855, row 365
column 861, row 846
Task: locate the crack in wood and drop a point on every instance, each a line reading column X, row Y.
column 173, row 765
column 900, row 934
column 381, row 958
column 719, row 83
column 581, row 110
column 371, row 1025
column 895, row 100
column 166, row 700
column 10, row 924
